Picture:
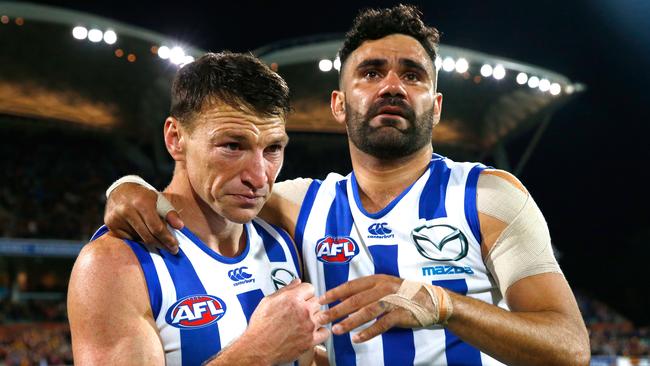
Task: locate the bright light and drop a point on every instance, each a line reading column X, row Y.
column 95, row 35
column 499, row 72
column 337, row 64
column 80, row 32
column 522, row 78
column 163, row 52
column 438, row 63
column 176, row 55
column 486, row 70
column 570, row 89
column 325, row 65
column 110, row 37
column 462, row 65
column 533, row 82
column 555, row 89
column 544, row 85
column 187, row 60
column 448, row 64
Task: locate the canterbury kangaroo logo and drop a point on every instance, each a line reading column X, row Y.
column 238, row 274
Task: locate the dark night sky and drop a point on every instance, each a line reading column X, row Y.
column 586, row 174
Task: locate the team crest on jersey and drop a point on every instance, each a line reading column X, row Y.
column 439, row 241
column 195, row 311
column 336, row 250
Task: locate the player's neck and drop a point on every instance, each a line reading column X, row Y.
column 220, row 234
column 380, row 181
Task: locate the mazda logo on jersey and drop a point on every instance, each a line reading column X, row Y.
column 195, row 311
column 282, row 277
column 440, row 242
column 336, row 250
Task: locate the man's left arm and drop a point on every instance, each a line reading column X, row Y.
column 543, row 326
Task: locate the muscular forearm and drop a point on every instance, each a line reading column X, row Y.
column 239, row 353
column 519, row 338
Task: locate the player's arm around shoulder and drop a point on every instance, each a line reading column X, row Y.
column 283, row 207
column 108, row 308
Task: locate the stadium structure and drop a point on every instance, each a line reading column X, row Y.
column 99, row 89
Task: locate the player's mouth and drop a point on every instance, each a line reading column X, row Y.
column 247, row 199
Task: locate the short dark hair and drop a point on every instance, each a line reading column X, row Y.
column 372, row 24
column 237, row 79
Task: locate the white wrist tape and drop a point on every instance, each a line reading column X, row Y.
column 442, row 306
column 129, row 179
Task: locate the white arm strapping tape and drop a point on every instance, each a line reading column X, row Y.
column 163, row 206
column 129, row 179
column 524, row 247
column 442, row 305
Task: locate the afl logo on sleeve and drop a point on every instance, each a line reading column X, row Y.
column 195, row 311
column 336, row 250
column 440, row 242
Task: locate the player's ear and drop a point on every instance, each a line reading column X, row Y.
column 174, row 139
column 337, row 104
column 437, row 108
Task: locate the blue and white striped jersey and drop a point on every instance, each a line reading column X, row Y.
column 202, row 301
column 430, row 233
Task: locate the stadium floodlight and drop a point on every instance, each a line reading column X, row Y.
column 187, row 60
column 555, row 89
column 325, row 65
column 337, row 64
column 569, row 89
column 110, row 37
column 533, row 82
column 438, row 63
column 176, row 55
column 163, row 52
column 499, row 72
column 544, row 85
column 486, row 70
column 448, row 64
column 79, row 32
column 461, row 65
column 522, row 78
column 95, row 35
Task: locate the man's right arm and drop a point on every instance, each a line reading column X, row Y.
column 131, row 212
column 108, row 308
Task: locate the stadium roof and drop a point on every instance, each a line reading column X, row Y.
column 64, row 65
column 483, row 105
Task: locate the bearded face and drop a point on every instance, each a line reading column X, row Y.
column 395, row 132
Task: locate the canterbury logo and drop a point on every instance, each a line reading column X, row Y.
column 239, row 274
column 379, row 229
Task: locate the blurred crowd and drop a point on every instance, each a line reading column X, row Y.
column 35, row 344
column 610, row 333
column 53, row 184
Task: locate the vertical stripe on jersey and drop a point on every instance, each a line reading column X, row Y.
column 150, row 275
column 398, row 343
column 305, row 210
column 249, row 301
column 339, row 224
column 292, row 249
column 187, row 283
column 432, row 199
column 458, row 352
column 471, row 212
column 273, row 248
